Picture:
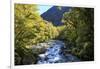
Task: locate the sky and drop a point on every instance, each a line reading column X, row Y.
column 43, row 8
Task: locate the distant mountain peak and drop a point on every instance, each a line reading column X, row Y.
column 55, row 14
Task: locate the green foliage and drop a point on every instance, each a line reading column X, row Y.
column 79, row 32
column 30, row 29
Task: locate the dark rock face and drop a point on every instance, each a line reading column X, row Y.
column 55, row 54
column 55, row 15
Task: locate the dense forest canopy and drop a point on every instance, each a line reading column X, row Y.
column 31, row 29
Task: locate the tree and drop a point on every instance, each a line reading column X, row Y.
column 30, row 29
column 80, row 31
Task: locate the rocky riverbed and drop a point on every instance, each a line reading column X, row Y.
column 53, row 51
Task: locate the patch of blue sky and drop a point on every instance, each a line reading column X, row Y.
column 43, row 8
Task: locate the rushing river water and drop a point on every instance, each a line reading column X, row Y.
column 55, row 54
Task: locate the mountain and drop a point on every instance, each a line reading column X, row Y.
column 55, row 14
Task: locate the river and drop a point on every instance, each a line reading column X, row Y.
column 55, row 53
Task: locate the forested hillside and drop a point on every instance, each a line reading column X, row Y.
column 79, row 31
column 31, row 29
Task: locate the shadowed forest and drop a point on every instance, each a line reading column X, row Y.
column 59, row 35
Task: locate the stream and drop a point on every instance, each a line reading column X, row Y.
column 55, row 54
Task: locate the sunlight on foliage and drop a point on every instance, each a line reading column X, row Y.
column 30, row 29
